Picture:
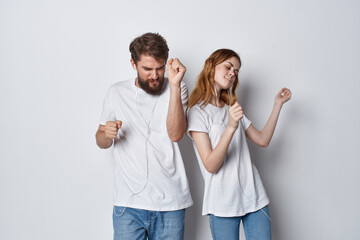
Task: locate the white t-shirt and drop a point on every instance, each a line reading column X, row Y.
column 236, row 189
column 149, row 171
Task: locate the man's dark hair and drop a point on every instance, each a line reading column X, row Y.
column 152, row 44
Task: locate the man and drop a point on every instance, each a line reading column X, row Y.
column 144, row 118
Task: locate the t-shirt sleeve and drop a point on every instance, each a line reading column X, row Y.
column 107, row 113
column 196, row 121
column 245, row 122
column 184, row 95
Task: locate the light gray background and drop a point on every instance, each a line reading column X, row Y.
column 58, row 58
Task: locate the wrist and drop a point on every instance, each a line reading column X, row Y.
column 278, row 104
column 230, row 129
column 174, row 88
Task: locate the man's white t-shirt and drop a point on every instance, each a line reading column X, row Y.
column 236, row 189
column 149, row 170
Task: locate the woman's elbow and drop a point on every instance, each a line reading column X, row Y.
column 264, row 144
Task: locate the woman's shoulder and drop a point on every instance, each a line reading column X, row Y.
column 195, row 109
column 199, row 110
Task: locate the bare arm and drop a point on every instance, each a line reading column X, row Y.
column 105, row 135
column 175, row 121
column 214, row 158
column 263, row 137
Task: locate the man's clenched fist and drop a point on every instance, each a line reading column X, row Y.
column 112, row 128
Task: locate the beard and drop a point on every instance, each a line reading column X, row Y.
column 145, row 85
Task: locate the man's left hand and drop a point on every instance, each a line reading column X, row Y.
column 175, row 71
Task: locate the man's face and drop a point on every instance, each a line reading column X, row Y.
column 150, row 74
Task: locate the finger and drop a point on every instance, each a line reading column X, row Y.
column 288, row 92
column 238, row 115
column 169, row 64
column 237, row 108
column 281, row 93
column 237, row 105
column 170, row 61
column 118, row 124
column 237, row 118
column 110, row 124
column 285, row 91
column 233, row 106
column 179, row 65
column 176, row 64
column 111, row 130
column 176, row 61
column 110, row 135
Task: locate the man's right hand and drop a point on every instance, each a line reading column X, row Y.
column 112, row 128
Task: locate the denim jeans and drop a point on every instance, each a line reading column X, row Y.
column 256, row 226
column 136, row 224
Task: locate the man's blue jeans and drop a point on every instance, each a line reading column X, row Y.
column 138, row 224
column 256, row 226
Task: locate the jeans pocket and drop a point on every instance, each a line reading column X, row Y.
column 118, row 211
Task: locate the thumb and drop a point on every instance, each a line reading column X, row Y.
column 118, row 124
column 169, row 63
column 235, row 104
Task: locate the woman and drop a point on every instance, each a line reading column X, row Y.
column 218, row 127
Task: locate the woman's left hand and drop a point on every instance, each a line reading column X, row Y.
column 283, row 96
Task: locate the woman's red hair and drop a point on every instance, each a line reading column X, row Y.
column 204, row 87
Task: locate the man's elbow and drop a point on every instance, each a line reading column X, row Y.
column 176, row 138
column 211, row 169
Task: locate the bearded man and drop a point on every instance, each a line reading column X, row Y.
column 143, row 118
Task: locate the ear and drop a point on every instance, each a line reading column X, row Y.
column 133, row 64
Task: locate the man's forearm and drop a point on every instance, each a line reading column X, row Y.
column 176, row 121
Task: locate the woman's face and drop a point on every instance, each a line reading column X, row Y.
column 226, row 72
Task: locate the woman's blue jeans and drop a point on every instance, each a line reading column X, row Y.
column 139, row 224
column 256, row 226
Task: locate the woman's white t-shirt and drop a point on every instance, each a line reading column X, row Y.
column 236, row 189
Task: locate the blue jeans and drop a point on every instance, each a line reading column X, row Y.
column 256, row 226
column 136, row 224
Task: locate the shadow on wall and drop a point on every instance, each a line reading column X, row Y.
column 268, row 161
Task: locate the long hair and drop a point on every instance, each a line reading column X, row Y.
column 204, row 88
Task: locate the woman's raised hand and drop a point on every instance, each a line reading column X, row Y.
column 283, row 96
column 235, row 114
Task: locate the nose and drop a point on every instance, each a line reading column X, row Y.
column 232, row 72
column 154, row 74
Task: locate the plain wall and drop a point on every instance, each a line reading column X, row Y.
column 58, row 58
